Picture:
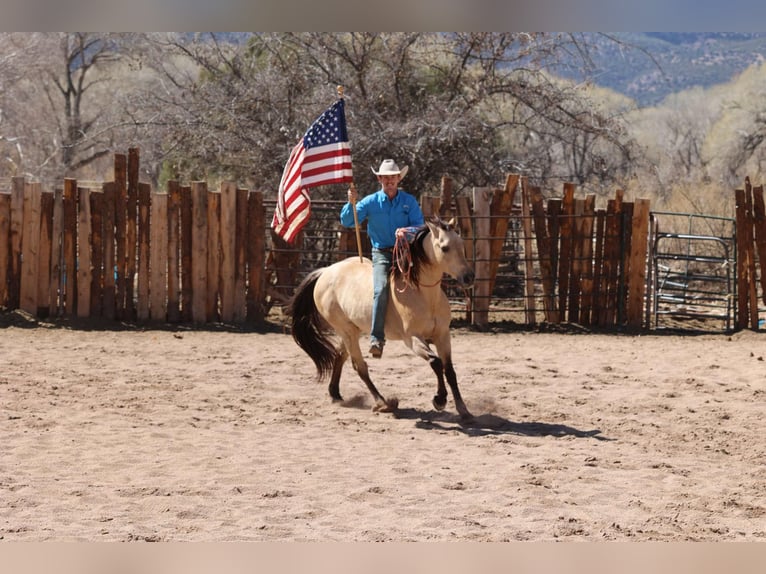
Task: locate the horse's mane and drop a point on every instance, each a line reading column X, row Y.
column 409, row 259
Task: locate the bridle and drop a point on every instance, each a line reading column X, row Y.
column 402, row 256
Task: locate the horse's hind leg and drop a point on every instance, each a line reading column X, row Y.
column 337, row 369
column 357, row 360
column 381, row 405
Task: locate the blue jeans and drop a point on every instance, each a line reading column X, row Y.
column 381, row 268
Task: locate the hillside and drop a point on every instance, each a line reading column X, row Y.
column 649, row 66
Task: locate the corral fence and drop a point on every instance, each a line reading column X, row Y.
column 190, row 254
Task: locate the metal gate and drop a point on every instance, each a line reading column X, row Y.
column 693, row 262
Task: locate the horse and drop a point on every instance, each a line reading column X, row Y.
column 332, row 307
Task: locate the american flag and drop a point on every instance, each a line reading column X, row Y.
column 322, row 156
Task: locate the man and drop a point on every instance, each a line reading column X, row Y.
column 386, row 210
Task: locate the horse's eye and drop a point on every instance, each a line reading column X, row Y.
column 445, row 248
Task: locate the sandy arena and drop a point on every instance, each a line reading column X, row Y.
column 212, row 435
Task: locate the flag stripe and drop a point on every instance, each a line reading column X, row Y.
column 321, row 157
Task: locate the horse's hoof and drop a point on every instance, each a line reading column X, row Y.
column 388, row 406
column 439, row 402
column 466, row 418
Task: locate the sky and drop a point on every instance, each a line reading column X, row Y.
column 392, row 15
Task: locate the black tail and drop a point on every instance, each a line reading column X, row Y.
column 309, row 329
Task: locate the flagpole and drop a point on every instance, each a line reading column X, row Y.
column 353, row 203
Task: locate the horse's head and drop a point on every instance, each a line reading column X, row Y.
column 447, row 251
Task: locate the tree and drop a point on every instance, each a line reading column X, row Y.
column 231, row 106
column 66, row 109
column 463, row 104
column 12, row 141
column 736, row 139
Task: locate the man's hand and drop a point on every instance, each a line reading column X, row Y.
column 352, row 195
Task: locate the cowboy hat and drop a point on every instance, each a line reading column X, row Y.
column 389, row 167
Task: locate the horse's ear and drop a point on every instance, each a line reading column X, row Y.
column 452, row 222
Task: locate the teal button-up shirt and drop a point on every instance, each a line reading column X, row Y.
column 384, row 216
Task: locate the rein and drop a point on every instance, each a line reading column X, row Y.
column 402, row 256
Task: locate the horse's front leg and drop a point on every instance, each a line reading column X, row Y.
column 441, row 364
column 449, row 371
column 421, row 348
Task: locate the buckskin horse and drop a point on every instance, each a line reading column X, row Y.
column 332, row 308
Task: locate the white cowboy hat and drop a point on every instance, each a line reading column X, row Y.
column 389, row 167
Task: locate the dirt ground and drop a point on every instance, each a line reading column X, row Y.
column 217, row 435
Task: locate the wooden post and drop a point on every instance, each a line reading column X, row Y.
column 97, row 253
column 17, row 226
column 625, row 263
column 426, row 206
column 70, row 244
column 187, row 276
column 110, row 292
column 529, row 281
column 213, row 256
column 120, row 232
column 612, row 257
column 84, row 274
column 611, row 243
column 544, row 255
column 144, row 250
column 554, row 233
column 481, row 293
column 30, row 246
column 586, row 277
column 228, row 245
column 741, row 275
column 131, row 234
column 256, row 257
column 565, row 251
column 752, row 295
column 464, row 221
column 44, row 259
column 174, row 222
column 56, row 292
column 445, row 198
column 158, row 257
column 5, row 245
column 759, row 225
column 598, row 313
column 638, row 263
column 240, row 258
column 575, row 284
column 500, row 211
column 199, row 250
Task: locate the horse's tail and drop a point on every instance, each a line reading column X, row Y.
column 309, row 329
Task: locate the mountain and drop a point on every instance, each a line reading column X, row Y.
column 649, row 66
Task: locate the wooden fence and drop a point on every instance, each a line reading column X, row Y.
column 125, row 252
column 573, row 262
column 194, row 255
column 580, row 264
column 751, row 251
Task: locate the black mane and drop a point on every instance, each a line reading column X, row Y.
column 417, row 254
